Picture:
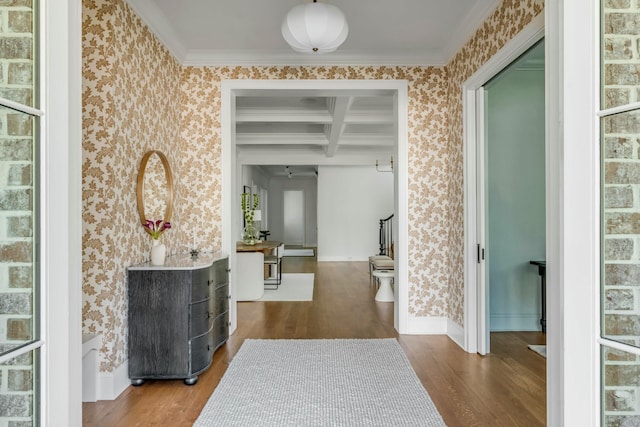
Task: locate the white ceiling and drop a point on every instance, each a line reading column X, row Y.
column 381, row 32
column 345, row 127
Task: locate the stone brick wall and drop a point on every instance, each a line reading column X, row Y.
column 621, row 211
column 16, row 211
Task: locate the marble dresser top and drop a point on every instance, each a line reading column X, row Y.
column 183, row 262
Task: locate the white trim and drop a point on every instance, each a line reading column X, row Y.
column 341, row 259
column 554, row 81
column 20, row 107
column 61, row 207
column 231, row 172
column 579, row 221
column 620, row 109
column 401, row 197
column 455, row 332
column 531, row 34
column 482, row 272
column 112, row 384
column 431, row 325
column 436, row 325
column 229, row 179
column 479, row 12
column 247, row 57
column 160, row 26
column 22, row 350
column 515, row 322
column 619, row 346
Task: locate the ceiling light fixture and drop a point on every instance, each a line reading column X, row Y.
column 315, row 28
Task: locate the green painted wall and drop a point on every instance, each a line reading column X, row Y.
column 516, row 193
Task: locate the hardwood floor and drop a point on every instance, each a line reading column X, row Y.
column 505, row 388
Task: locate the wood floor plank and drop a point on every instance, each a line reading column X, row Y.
column 505, row 388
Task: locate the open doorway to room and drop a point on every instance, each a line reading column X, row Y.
column 505, row 213
column 512, row 173
column 342, row 137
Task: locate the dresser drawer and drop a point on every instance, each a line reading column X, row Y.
column 200, row 318
column 219, row 303
column 202, row 349
column 219, row 273
column 200, row 282
column 220, row 330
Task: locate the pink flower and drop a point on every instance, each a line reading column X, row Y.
column 156, row 228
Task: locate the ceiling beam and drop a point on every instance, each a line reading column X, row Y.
column 280, row 139
column 247, row 115
column 338, row 108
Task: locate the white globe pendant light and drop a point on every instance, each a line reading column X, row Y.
column 315, row 28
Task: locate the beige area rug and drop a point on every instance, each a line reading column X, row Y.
column 540, row 349
column 320, row 383
column 294, row 287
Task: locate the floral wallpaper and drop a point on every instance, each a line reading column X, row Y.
column 503, row 24
column 137, row 97
column 131, row 104
column 428, row 227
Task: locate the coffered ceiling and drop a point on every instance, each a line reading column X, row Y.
column 316, row 127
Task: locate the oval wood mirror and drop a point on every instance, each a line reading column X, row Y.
column 155, row 187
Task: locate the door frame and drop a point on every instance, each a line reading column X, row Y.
column 232, row 169
column 284, row 210
column 475, row 305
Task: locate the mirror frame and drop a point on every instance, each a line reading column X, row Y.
column 169, row 192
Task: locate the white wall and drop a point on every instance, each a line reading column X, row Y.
column 516, row 197
column 277, row 187
column 351, row 202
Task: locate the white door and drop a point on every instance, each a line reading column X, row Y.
column 481, row 191
column 294, row 217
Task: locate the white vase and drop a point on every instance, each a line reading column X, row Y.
column 158, row 253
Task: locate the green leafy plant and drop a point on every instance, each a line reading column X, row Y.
column 249, row 209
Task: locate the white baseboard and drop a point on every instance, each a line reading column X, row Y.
column 436, row 326
column 111, row 384
column 514, row 322
column 427, row 326
column 455, row 332
column 341, row 258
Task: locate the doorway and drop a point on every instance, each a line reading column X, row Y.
column 294, row 221
column 511, row 173
column 233, row 161
column 475, row 293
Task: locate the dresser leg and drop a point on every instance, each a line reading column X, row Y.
column 191, row 381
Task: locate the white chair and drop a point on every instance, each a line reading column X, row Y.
column 274, row 263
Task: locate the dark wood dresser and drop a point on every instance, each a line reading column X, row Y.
column 178, row 316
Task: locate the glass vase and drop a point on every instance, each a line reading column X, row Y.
column 250, row 234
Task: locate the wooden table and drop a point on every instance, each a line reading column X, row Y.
column 265, row 246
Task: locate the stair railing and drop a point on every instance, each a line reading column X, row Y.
column 386, row 236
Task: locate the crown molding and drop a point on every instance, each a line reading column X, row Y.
column 286, row 57
column 468, row 27
column 160, row 26
column 164, row 31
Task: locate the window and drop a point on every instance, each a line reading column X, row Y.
column 620, row 213
column 19, row 283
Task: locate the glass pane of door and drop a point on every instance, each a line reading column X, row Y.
column 620, row 61
column 19, row 393
column 18, row 49
column 18, row 294
column 620, row 387
column 620, row 213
